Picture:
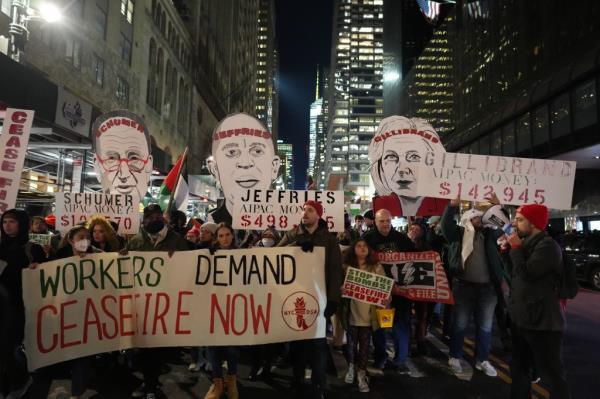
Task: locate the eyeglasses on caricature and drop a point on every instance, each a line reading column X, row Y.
column 113, row 163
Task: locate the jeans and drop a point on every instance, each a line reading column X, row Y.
column 311, row 352
column 217, row 354
column 400, row 334
column 478, row 300
column 542, row 350
column 358, row 346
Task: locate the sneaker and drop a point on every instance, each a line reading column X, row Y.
column 535, row 380
column 487, row 368
column 139, row 391
column 150, row 395
column 194, row 367
column 455, row 365
column 20, row 392
column 349, row 379
column 363, row 381
column 402, row 369
column 307, row 374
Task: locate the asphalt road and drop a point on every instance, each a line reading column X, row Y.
column 430, row 376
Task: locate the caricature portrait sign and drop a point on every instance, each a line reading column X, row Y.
column 399, row 148
column 243, row 158
column 123, row 157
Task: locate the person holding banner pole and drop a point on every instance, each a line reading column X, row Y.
column 385, row 239
column 154, row 235
column 312, row 232
column 217, row 354
column 16, row 253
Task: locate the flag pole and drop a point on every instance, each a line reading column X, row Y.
column 172, row 195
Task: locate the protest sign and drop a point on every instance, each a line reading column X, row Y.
column 419, row 276
column 259, row 209
column 396, row 153
column 242, row 157
column 74, row 208
column 122, row 153
column 13, row 146
column 41, row 239
column 367, row 287
column 80, row 306
column 515, row 181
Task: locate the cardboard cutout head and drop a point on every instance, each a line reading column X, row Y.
column 398, row 148
column 123, row 160
column 243, row 157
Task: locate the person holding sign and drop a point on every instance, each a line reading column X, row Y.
column 103, row 235
column 243, row 157
column 398, row 149
column 359, row 318
column 16, row 254
column 312, row 232
column 477, row 268
column 218, row 354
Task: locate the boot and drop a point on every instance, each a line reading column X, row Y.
column 232, row 390
column 216, row 389
column 363, row 381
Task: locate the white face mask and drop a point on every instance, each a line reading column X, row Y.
column 268, row 242
column 81, row 245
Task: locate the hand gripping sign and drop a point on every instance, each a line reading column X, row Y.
column 400, row 147
column 243, row 158
column 104, row 302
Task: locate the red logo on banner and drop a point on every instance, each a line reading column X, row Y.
column 300, row 311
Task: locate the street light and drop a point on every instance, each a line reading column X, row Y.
column 21, row 14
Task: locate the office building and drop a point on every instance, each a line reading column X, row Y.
column 286, row 174
column 267, row 100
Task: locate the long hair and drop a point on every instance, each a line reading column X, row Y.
column 224, row 225
column 352, row 260
column 112, row 242
column 67, row 238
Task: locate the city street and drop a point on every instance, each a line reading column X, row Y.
column 430, row 377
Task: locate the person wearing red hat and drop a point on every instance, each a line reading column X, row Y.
column 312, row 232
column 537, row 317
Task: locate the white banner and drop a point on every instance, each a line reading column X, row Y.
column 515, row 181
column 259, row 209
column 74, row 208
column 105, row 302
column 13, row 147
column 73, row 113
column 366, row 287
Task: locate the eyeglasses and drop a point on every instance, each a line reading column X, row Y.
column 113, row 164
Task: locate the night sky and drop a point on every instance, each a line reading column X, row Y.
column 304, row 41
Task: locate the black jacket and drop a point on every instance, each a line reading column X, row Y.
column 536, row 268
column 321, row 237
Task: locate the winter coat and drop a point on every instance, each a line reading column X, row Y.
column 171, row 242
column 321, row 237
column 536, row 268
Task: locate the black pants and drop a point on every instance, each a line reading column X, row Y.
column 311, row 352
column 151, row 362
column 542, row 349
column 80, row 369
column 13, row 365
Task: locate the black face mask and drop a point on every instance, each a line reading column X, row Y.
column 155, row 226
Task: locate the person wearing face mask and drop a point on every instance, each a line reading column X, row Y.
column 16, row 253
column 77, row 242
column 269, row 238
column 154, row 235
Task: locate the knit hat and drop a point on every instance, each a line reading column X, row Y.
column 317, row 205
column 536, row 214
column 209, row 226
column 151, row 209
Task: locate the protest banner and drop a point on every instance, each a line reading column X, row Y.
column 74, row 208
column 419, row 276
column 515, row 181
column 13, row 147
column 41, row 239
column 367, row 287
column 80, row 306
column 259, row 209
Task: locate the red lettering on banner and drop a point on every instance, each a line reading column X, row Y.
column 13, row 141
column 159, row 315
column 19, row 117
column 258, row 315
column 110, row 316
column 244, row 315
column 124, row 316
column 5, row 182
column 11, row 153
column 89, row 309
column 8, row 166
column 15, row 129
column 146, row 311
column 40, row 344
column 214, row 306
column 64, row 327
column 181, row 313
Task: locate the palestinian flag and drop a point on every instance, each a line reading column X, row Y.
column 175, row 185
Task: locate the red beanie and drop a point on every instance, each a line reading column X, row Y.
column 317, row 205
column 536, row 214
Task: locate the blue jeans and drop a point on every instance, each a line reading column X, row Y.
column 216, row 355
column 400, row 334
column 478, row 300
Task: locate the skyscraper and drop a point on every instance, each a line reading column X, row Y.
column 315, row 110
column 356, row 93
column 266, row 67
column 285, row 152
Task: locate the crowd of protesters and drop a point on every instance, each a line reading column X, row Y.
column 478, row 265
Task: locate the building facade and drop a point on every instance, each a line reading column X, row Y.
column 286, row 172
column 267, row 100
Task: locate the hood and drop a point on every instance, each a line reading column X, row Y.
column 23, row 219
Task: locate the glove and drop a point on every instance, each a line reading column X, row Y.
column 307, row 246
column 330, row 309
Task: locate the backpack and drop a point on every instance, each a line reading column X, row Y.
column 568, row 287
